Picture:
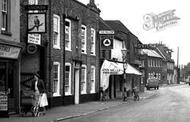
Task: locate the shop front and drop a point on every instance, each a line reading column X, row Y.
column 9, row 79
column 113, row 81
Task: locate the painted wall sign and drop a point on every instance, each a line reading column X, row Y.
column 36, row 7
column 34, row 39
column 106, row 32
column 9, row 51
column 36, row 22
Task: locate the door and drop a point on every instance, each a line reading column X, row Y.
column 77, row 91
column 7, row 83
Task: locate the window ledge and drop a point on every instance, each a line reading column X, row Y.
column 6, row 33
column 68, row 94
column 56, row 47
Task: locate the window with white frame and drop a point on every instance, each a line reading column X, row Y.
column 56, row 31
column 56, row 79
column 83, row 79
column 83, row 38
column 5, row 15
column 93, row 41
column 33, row 2
column 92, row 79
column 67, row 34
column 67, row 79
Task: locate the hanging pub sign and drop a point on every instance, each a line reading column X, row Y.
column 106, row 39
column 36, row 22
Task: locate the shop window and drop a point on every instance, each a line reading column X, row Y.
column 56, row 79
column 67, row 79
column 56, row 31
column 83, row 38
column 93, row 41
column 83, row 79
column 67, row 34
column 92, row 79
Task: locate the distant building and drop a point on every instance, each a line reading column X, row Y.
column 168, row 63
column 152, row 64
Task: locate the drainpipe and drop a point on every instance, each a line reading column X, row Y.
column 49, row 56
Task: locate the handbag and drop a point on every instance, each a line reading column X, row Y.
column 43, row 100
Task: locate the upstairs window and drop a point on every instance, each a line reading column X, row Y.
column 5, row 15
column 67, row 34
column 56, row 31
column 83, row 39
column 93, row 41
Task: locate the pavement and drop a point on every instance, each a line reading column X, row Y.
column 57, row 114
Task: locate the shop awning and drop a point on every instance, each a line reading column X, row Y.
column 131, row 70
column 112, row 68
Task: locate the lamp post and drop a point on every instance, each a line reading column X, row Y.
column 124, row 57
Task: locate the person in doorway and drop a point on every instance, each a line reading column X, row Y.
column 38, row 88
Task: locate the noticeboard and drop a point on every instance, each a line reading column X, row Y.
column 3, row 101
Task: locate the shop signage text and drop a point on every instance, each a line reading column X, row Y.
column 9, row 51
column 34, row 39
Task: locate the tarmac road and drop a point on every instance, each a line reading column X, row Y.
column 171, row 104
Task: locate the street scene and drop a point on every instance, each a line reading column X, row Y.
column 94, row 60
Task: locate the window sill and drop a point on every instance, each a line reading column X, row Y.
column 6, row 33
column 56, row 95
column 56, row 47
column 83, row 93
column 68, row 94
column 68, row 49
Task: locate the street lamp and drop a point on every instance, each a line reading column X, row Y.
column 124, row 57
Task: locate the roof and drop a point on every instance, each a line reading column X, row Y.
column 121, row 31
column 117, row 26
column 151, row 53
column 103, row 25
column 163, row 52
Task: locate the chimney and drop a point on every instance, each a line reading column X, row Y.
column 93, row 6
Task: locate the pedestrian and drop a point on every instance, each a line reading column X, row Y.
column 124, row 94
column 39, row 88
column 102, row 94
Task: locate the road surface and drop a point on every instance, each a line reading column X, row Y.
column 169, row 104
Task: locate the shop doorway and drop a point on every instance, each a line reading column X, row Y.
column 7, row 83
column 77, row 88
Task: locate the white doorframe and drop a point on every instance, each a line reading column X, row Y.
column 77, row 91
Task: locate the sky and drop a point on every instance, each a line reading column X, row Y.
column 131, row 13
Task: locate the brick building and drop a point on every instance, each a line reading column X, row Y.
column 152, row 63
column 67, row 57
